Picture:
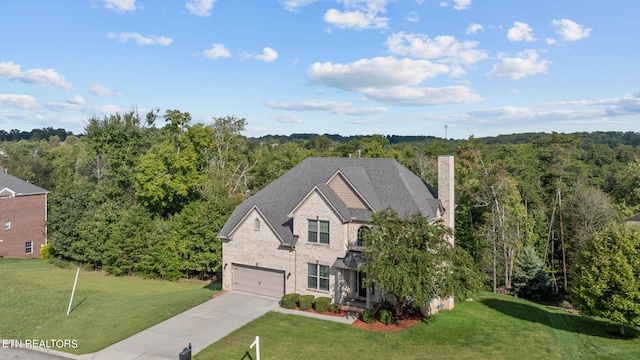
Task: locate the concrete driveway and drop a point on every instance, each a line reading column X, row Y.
column 201, row 326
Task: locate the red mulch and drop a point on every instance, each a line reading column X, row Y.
column 378, row 326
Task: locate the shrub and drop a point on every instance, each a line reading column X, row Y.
column 334, row 308
column 46, row 252
column 321, row 304
column 306, row 302
column 368, row 316
column 386, row 317
column 289, row 301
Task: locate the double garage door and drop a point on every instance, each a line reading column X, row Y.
column 258, row 280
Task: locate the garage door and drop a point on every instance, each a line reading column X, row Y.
column 258, row 280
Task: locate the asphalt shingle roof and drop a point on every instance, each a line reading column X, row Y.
column 19, row 186
column 383, row 183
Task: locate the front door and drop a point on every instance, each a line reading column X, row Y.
column 362, row 290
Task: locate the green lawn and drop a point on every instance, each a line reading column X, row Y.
column 492, row 327
column 34, row 297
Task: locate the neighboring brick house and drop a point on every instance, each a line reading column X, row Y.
column 303, row 232
column 23, row 216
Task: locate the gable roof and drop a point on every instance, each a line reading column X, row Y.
column 18, row 186
column 382, row 184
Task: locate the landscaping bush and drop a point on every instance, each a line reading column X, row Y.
column 306, row 302
column 321, row 304
column 46, row 252
column 386, row 317
column 368, row 316
column 289, row 301
column 334, row 308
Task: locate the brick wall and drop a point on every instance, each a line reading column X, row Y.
column 26, row 216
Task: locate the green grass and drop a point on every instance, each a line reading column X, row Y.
column 492, row 327
column 34, row 297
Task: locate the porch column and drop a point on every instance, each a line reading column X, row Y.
column 368, row 299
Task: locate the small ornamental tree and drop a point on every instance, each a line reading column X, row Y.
column 606, row 277
column 530, row 280
column 409, row 257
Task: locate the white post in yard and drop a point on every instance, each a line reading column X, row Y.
column 256, row 343
column 73, row 292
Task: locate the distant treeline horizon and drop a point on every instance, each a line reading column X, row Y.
column 610, row 138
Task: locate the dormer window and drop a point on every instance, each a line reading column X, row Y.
column 318, row 231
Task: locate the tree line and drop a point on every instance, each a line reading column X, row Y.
column 131, row 196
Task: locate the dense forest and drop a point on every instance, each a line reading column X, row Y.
column 147, row 195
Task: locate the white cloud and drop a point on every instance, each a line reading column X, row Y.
column 423, row 96
column 268, row 55
column 294, row 5
column 520, row 32
column 335, row 107
column 200, row 7
column 217, row 51
column 355, row 19
column 361, row 111
column 457, row 4
column 12, row 71
column 390, row 80
column 287, row 118
column 100, row 90
column 84, row 108
column 77, row 100
column 308, row 105
column 474, row 28
column 524, row 64
column 570, row 30
column 379, row 72
column 120, row 5
column 461, row 4
column 445, row 48
column 19, row 101
column 413, row 16
column 139, row 39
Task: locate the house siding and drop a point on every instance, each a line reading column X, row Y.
column 27, row 215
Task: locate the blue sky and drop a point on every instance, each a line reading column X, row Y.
column 349, row 67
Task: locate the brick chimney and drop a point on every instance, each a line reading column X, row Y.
column 446, row 189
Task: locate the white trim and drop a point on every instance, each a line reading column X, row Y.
column 323, row 197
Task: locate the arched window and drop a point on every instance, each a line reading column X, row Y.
column 361, row 231
column 256, row 224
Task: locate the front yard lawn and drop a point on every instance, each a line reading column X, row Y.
column 34, row 297
column 491, row 327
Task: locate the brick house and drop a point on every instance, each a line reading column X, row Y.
column 303, row 232
column 23, row 216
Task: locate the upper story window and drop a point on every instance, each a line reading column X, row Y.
column 362, row 230
column 256, row 224
column 319, row 231
column 7, row 225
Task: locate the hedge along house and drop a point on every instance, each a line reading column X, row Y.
column 23, row 216
column 303, row 233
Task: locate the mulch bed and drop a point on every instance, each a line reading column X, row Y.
column 378, row 326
